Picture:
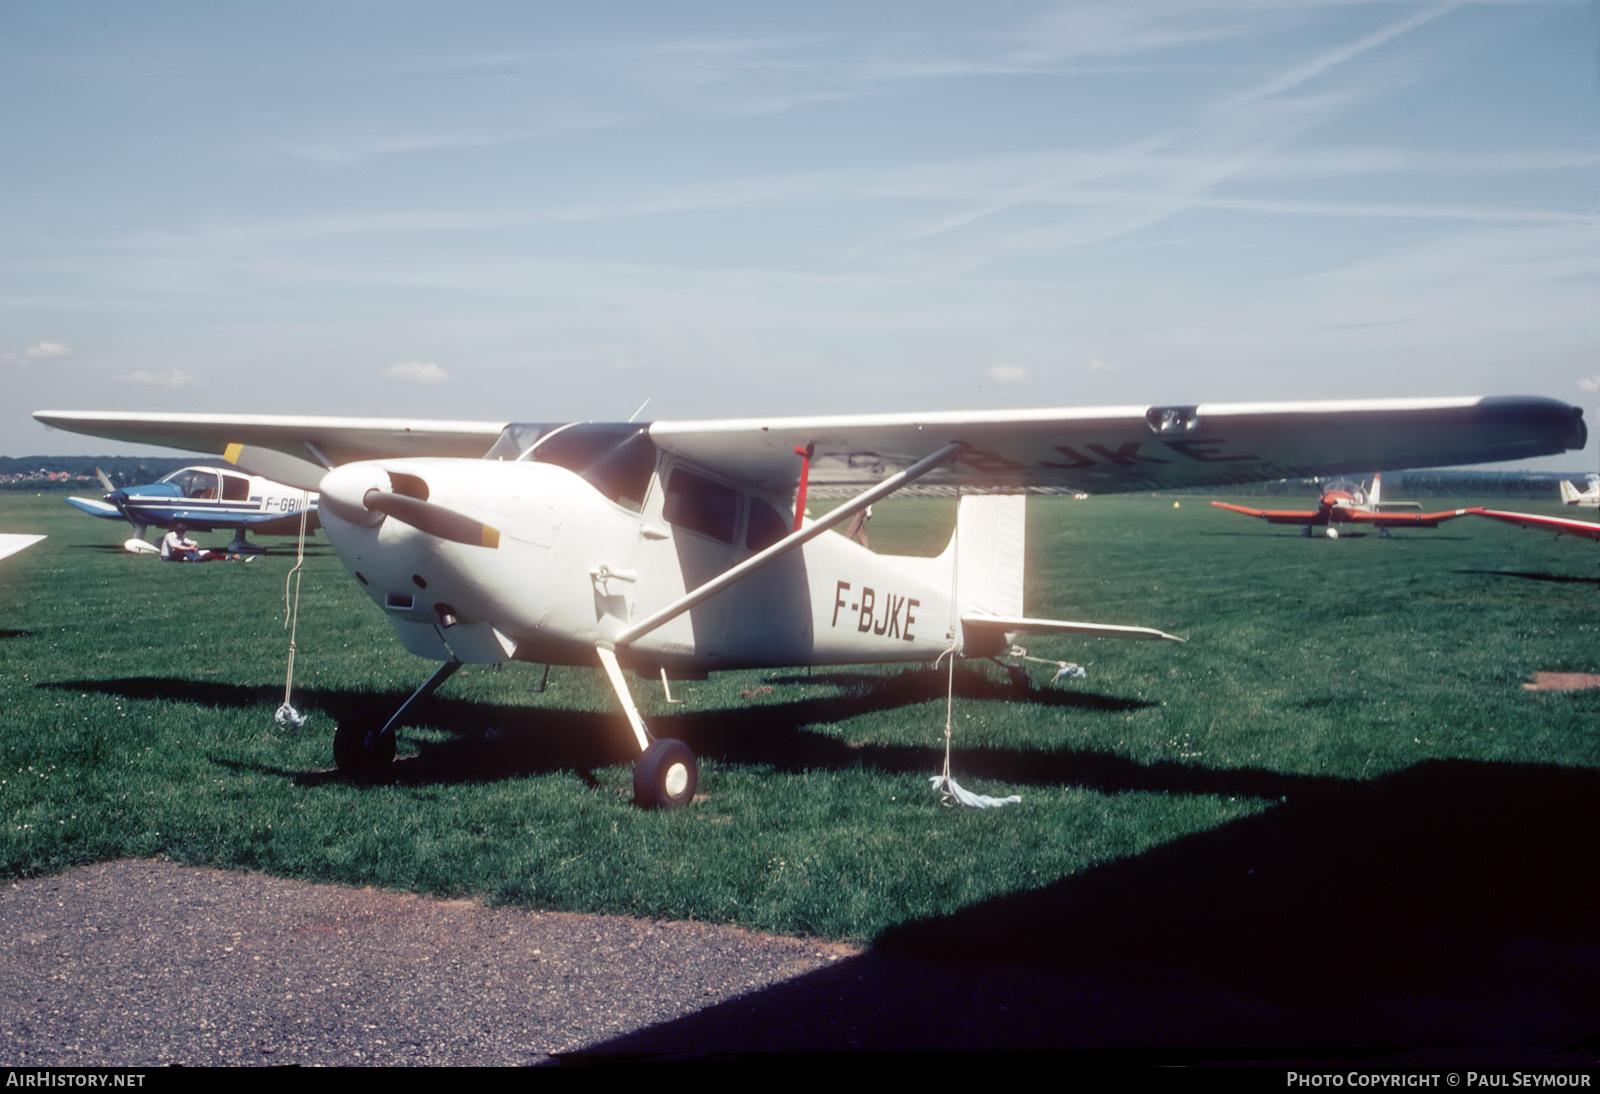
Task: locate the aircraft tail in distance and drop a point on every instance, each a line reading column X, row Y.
column 1573, row 496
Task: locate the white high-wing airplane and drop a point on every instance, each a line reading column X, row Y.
column 674, row 548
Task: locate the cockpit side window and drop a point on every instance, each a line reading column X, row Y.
column 702, row 505
column 194, row 482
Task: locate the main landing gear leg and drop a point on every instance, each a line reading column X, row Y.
column 241, row 545
column 360, row 747
column 664, row 775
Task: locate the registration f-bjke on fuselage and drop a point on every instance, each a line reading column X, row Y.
column 673, row 547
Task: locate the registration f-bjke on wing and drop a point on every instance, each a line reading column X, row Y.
column 681, row 547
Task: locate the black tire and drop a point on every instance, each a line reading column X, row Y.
column 361, row 747
column 665, row 776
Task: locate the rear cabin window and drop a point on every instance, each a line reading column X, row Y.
column 702, row 505
column 235, row 488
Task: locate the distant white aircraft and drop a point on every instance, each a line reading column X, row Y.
column 675, row 548
column 1573, row 496
column 15, row 542
column 203, row 499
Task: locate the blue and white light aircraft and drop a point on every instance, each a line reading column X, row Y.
column 204, row 499
column 682, row 547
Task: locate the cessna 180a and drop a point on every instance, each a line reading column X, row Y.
column 1347, row 503
column 682, row 547
column 204, row 499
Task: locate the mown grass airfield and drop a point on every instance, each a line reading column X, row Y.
column 1340, row 775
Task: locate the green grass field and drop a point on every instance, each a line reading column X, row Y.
column 138, row 704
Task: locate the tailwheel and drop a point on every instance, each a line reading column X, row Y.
column 664, row 776
column 361, row 747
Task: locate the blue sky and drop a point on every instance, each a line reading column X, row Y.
column 544, row 212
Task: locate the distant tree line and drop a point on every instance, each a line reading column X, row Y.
column 30, row 473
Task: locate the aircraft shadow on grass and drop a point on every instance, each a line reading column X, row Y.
column 1442, row 914
column 1533, row 575
column 1431, row 537
column 312, row 551
column 494, row 741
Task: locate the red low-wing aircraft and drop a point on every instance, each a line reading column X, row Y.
column 681, row 547
column 1561, row 526
column 1347, row 503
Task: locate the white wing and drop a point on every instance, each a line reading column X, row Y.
column 340, row 440
column 13, row 542
column 292, row 450
column 1122, row 449
column 1100, row 450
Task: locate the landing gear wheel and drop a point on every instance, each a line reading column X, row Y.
column 1019, row 677
column 664, row 776
column 361, row 747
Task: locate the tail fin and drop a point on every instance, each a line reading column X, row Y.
column 1569, row 493
column 1375, row 498
column 989, row 545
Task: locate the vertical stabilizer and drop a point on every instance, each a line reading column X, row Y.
column 991, row 537
column 1375, row 498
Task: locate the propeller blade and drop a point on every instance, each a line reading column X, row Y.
column 278, row 466
column 105, row 480
column 119, row 498
column 435, row 520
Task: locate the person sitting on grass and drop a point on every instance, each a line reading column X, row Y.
column 176, row 546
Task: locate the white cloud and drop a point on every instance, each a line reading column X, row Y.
column 36, row 354
column 1008, row 374
column 1589, row 383
column 419, row 372
column 170, row 377
column 45, row 351
column 1101, row 366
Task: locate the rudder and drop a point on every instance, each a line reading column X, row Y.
column 989, row 547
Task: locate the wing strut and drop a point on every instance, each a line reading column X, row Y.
column 790, row 542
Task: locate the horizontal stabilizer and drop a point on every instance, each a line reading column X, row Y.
column 987, row 625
